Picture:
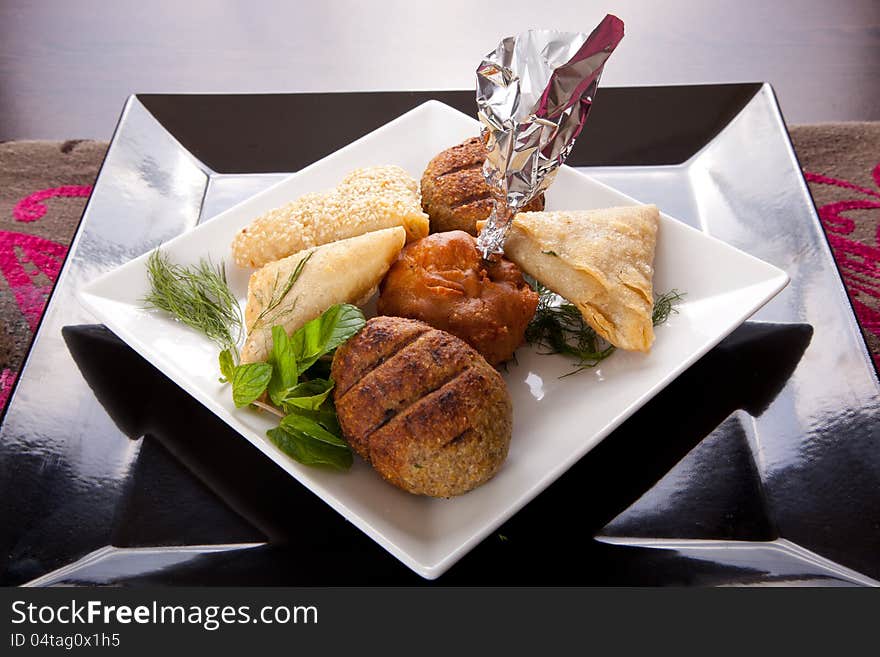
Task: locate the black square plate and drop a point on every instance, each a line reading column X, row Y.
column 759, row 465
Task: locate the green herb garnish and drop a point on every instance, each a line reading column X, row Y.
column 308, row 395
column 664, row 306
column 227, row 364
column 323, row 334
column 309, row 451
column 325, row 416
column 307, row 426
column 559, row 328
column 309, row 431
column 296, row 376
column 249, row 382
column 285, row 373
column 197, row 296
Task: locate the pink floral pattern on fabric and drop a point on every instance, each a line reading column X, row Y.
column 7, row 380
column 32, row 207
column 30, row 264
column 859, row 263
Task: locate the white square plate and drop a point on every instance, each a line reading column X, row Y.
column 556, row 421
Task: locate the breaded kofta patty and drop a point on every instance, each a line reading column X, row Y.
column 422, row 406
column 454, row 193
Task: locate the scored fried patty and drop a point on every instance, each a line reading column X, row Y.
column 454, row 192
column 422, row 406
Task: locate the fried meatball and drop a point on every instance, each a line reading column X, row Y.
column 454, row 193
column 423, row 407
column 441, row 279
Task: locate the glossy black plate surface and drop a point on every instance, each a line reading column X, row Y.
column 759, row 465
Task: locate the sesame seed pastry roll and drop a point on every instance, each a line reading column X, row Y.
column 367, row 199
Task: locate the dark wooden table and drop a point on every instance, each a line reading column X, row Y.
column 67, row 68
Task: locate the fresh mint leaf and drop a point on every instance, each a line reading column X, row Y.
column 249, row 382
column 301, row 423
column 227, row 365
column 346, row 321
column 323, row 334
column 308, row 451
column 325, row 416
column 308, row 395
column 307, row 342
column 284, row 370
column 310, row 432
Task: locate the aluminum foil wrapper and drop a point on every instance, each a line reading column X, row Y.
column 534, row 92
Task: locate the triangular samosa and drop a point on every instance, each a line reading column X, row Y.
column 600, row 260
column 346, row 271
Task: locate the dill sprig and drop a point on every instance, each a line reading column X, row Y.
column 278, row 294
column 198, row 296
column 664, row 306
column 559, row 328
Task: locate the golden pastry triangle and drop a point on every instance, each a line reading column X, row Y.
column 345, row 271
column 602, row 261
